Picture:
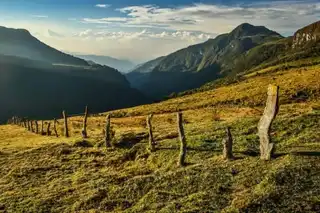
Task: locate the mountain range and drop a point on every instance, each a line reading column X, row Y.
column 39, row 81
column 123, row 66
column 195, row 65
column 223, row 57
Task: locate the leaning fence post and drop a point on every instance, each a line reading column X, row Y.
column 151, row 139
column 48, row 129
column 84, row 129
column 37, row 127
column 270, row 112
column 65, row 118
column 107, row 132
column 55, row 127
column 227, row 145
column 183, row 145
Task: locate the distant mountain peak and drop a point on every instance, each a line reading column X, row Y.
column 12, row 32
column 20, row 42
column 247, row 29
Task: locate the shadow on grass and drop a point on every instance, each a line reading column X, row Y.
column 250, row 153
column 307, row 153
column 189, row 149
column 127, row 141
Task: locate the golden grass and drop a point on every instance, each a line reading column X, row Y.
column 252, row 91
column 16, row 139
column 49, row 174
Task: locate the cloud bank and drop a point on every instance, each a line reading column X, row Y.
column 129, row 32
column 283, row 16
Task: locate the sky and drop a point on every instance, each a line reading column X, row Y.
column 140, row 30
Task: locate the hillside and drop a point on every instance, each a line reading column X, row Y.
column 41, row 90
column 140, row 75
column 195, row 65
column 50, row 174
column 19, row 42
column 123, row 66
column 39, row 81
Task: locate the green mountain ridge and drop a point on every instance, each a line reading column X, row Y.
column 197, row 64
column 39, row 81
column 44, row 90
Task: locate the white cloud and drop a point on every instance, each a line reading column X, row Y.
column 144, row 35
column 145, row 32
column 39, row 16
column 103, row 5
column 108, row 20
column 282, row 16
column 52, row 33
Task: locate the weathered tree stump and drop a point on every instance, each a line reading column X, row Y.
column 42, row 128
column 152, row 143
column 227, row 145
column 37, row 127
column 66, row 129
column 108, row 131
column 48, row 129
column 55, row 127
column 84, row 128
column 270, row 112
column 183, row 142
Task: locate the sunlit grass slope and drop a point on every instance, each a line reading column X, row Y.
column 49, row 174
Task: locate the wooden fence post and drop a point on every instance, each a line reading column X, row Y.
column 28, row 125
column 227, row 145
column 270, row 112
column 37, row 127
column 151, row 139
column 65, row 118
column 183, row 145
column 48, row 129
column 55, row 127
column 24, row 123
column 107, row 132
column 42, row 128
column 31, row 125
column 84, row 129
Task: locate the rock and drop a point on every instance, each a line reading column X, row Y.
column 307, row 35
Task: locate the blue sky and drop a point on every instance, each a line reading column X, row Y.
column 140, row 30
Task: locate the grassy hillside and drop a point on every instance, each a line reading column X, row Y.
column 48, row 174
